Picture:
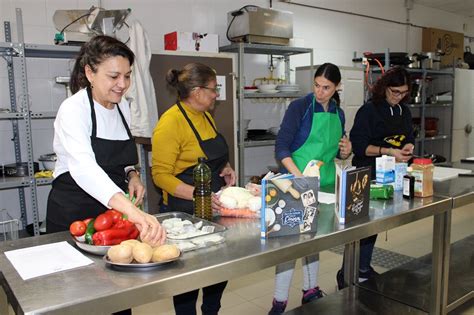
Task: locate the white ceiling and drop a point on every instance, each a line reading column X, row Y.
column 460, row 7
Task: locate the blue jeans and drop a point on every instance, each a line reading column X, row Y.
column 185, row 304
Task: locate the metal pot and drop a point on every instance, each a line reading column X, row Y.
column 415, row 62
column 432, row 60
column 19, row 169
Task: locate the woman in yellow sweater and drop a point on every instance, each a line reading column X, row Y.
column 184, row 133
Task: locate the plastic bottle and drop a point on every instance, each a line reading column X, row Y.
column 202, row 190
column 422, row 171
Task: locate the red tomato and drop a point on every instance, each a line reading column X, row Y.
column 103, row 222
column 77, row 228
column 86, row 221
column 116, row 215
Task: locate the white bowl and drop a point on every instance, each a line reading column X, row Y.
column 267, row 87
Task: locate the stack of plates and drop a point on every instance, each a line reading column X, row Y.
column 288, row 87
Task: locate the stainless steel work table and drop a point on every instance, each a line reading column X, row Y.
column 410, row 283
column 98, row 289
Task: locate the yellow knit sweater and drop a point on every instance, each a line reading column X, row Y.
column 175, row 147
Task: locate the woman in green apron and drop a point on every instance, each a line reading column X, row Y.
column 312, row 129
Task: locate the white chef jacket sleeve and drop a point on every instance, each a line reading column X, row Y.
column 72, row 127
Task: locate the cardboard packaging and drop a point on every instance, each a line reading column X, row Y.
column 450, row 43
column 352, row 193
column 400, row 172
column 192, row 41
column 289, row 205
column 385, row 169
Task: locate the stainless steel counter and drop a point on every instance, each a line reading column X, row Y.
column 410, row 283
column 461, row 189
column 98, row 289
column 355, row 301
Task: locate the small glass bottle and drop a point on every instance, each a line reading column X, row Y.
column 408, row 186
column 202, row 190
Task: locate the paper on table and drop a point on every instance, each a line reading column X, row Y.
column 41, row 260
column 444, row 173
column 326, row 198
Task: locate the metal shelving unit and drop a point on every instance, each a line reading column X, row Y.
column 10, row 50
column 422, row 140
column 274, row 50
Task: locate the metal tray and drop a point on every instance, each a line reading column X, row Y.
column 92, row 249
column 137, row 266
column 195, row 242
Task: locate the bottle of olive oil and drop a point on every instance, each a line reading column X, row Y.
column 202, row 190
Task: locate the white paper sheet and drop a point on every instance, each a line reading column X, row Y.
column 41, row 260
column 326, row 198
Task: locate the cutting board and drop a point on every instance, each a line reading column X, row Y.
column 445, row 173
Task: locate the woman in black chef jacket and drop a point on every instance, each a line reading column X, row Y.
column 95, row 150
column 185, row 132
column 382, row 126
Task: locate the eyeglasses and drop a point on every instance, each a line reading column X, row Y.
column 398, row 93
column 216, row 89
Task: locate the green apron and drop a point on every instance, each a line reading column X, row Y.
column 322, row 144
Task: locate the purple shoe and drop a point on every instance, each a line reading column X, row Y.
column 311, row 295
column 277, row 307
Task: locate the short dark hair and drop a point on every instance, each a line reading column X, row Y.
column 92, row 54
column 330, row 72
column 191, row 76
column 394, row 77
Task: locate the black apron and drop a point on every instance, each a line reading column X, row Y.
column 67, row 202
column 217, row 153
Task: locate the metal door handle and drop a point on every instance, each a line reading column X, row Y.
column 468, row 128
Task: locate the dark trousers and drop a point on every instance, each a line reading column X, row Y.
column 366, row 249
column 365, row 253
column 185, row 304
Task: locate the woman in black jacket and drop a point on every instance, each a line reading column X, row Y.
column 382, row 126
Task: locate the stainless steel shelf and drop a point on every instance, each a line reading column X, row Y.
column 354, row 300
column 439, row 137
column 51, row 51
column 40, row 51
column 13, row 182
column 34, row 115
column 274, row 95
column 448, row 71
column 435, row 105
column 415, row 277
column 263, row 143
column 18, row 182
column 265, row 49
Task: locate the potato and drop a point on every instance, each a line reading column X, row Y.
column 142, row 253
column 165, row 252
column 120, row 254
column 132, row 243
